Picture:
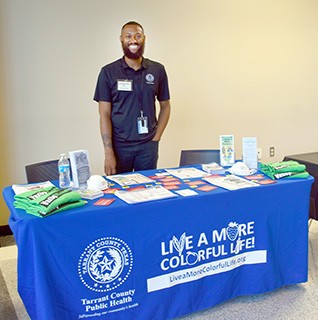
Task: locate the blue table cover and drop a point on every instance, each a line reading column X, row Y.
column 161, row 259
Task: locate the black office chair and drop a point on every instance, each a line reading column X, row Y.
column 189, row 157
column 42, row 171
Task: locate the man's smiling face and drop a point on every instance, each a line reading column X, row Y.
column 133, row 41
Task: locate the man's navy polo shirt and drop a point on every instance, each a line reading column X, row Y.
column 149, row 83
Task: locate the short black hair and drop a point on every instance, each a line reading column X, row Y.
column 132, row 23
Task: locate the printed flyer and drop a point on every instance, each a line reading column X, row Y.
column 250, row 152
column 227, row 157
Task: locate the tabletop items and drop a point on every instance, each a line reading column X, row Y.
column 136, row 187
column 284, row 169
column 80, row 168
column 64, row 172
column 144, row 194
column 45, row 201
column 20, row 188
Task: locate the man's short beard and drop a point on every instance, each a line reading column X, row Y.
column 133, row 55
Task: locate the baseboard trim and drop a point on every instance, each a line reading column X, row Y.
column 5, row 231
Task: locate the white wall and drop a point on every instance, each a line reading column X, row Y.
column 242, row 67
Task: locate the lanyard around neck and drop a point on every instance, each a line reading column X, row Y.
column 137, row 90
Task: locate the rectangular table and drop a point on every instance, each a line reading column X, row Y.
column 310, row 160
column 161, row 259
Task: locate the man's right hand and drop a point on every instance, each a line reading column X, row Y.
column 110, row 163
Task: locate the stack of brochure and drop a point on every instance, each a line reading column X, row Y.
column 21, row 188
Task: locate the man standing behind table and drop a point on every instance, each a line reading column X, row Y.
column 126, row 93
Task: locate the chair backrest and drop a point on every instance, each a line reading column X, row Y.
column 189, row 157
column 42, row 171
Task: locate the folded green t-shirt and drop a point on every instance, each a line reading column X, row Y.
column 284, row 169
column 43, row 202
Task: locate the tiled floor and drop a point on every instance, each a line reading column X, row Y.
column 8, row 253
column 6, row 241
column 8, row 249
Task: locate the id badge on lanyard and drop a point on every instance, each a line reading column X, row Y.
column 142, row 123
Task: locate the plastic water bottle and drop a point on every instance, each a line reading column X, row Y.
column 64, row 172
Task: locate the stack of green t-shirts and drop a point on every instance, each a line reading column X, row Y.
column 284, row 169
column 45, row 201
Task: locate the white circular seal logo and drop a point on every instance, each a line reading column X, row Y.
column 105, row 264
column 150, row 78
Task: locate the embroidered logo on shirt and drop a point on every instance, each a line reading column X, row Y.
column 150, row 78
